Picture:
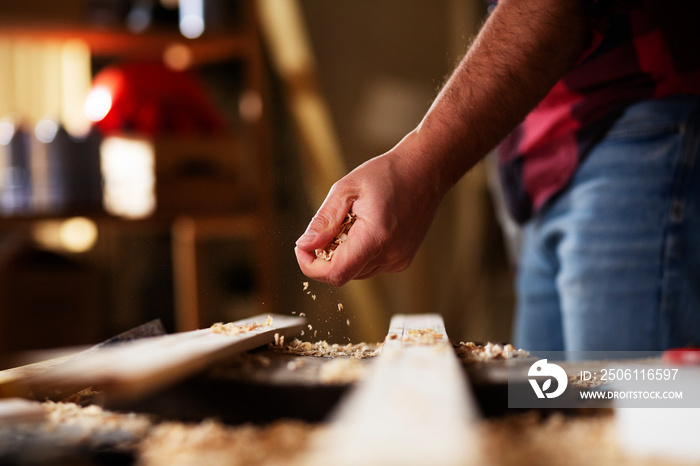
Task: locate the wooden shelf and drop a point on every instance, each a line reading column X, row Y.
column 245, row 224
column 149, row 45
column 189, row 231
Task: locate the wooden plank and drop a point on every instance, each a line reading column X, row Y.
column 141, row 367
column 52, row 358
column 30, row 370
column 122, row 43
column 413, row 408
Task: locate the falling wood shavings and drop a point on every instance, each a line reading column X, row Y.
column 306, row 286
column 327, row 252
column 313, row 296
column 348, row 322
column 340, row 306
column 302, row 314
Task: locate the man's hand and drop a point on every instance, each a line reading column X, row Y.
column 394, row 198
column 524, row 48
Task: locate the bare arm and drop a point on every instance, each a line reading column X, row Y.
column 520, row 53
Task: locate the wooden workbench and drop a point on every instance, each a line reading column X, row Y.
column 267, row 407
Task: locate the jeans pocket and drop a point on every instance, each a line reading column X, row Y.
column 651, row 119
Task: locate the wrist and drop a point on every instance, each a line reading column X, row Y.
column 430, row 153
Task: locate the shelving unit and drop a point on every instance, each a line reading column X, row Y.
column 191, row 230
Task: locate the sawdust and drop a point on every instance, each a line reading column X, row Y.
column 470, row 351
column 232, row 328
column 93, row 417
column 426, row 336
column 325, row 350
column 327, row 252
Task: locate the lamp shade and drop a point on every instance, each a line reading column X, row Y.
column 151, row 99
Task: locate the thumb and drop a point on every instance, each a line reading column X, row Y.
column 325, row 224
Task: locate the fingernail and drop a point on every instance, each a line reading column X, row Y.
column 307, row 237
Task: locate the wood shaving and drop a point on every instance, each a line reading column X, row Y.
column 93, row 417
column 232, row 328
column 471, row 351
column 426, row 336
column 420, row 333
column 327, row 252
column 306, row 286
column 340, row 306
column 325, row 350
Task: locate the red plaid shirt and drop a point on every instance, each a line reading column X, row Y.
column 649, row 52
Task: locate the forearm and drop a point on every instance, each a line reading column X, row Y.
column 520, row 53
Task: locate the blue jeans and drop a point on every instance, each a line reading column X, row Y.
column 613, row 262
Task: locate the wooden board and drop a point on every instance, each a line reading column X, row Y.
column 25, row 371
column 141, row 367
column 55, row 357
column 413, row 408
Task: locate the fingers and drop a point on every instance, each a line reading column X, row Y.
column 312, row 267
column 324, row 225
column 351, row 259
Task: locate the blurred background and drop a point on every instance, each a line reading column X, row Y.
column 158, row 159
